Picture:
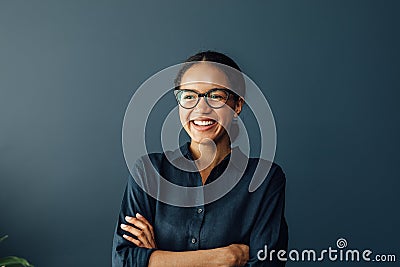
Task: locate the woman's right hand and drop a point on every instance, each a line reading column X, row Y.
column 141, row 229
column 236, row 254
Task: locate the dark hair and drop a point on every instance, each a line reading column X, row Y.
column 235, row 77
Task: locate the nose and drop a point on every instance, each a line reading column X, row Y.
column 202, row 106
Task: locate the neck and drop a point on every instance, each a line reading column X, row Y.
column 209, row 154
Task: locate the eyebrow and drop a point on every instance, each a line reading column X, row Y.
column 193, row 90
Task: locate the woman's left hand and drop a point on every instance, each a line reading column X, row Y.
column 142, row 230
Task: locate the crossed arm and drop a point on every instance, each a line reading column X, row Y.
column 232, row 255
column 134, row 243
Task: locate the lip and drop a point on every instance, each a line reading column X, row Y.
column 203, row 127
column 202, row 118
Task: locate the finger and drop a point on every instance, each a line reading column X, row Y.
column 140, row 236
column 143, row 219
column 141, row 222
column 138, row 223
column 146, row 228
column 136, row 232
column 133, row 240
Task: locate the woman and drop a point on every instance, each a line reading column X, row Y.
column 227, row 232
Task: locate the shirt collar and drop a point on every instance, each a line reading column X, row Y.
column 240, row 158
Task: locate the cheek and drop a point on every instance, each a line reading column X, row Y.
column 225, row 117
column 183, row 116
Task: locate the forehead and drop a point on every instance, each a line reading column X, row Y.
column 204, row 74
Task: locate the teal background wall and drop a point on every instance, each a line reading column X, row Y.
column 68, row 69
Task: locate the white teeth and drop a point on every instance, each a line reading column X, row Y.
column 203, row 123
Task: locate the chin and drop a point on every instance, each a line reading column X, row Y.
column 202, row 139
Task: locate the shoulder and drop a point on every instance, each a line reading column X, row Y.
column 147, row 162
column 263, row 163
column 265, row 175
column 144, row 173
column 274, row 169
column 155, row 161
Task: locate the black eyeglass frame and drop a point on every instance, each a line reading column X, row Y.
column 227, row 91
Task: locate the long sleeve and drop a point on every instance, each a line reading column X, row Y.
column 125, row 253
column 260, row 223
column 270, row 228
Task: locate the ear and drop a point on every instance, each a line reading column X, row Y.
column 238, row 106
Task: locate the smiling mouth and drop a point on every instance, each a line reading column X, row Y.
column 203, row 124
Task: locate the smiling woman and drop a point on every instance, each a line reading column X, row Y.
column 226, row 232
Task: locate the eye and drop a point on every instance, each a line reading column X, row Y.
column 188, row 96
column 218, row 95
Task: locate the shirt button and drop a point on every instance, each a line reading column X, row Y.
column 193, row 240
column 200, row 210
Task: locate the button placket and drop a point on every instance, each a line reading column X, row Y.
column 198, row 216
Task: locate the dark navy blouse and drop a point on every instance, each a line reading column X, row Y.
column 239, row 217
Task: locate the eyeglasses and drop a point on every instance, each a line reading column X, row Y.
column 215, row 98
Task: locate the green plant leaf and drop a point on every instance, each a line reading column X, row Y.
column 11, row 261
column 4, row 237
